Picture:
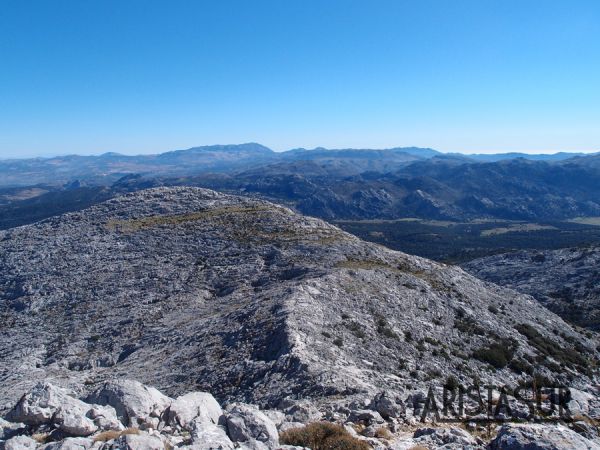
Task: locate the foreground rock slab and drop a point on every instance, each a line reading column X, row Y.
column 540, row 437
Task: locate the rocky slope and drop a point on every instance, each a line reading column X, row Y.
column 187, row 289
column 566, row 281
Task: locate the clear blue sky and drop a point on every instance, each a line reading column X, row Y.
column 142, row 76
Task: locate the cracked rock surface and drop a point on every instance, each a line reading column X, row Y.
column 190, row 290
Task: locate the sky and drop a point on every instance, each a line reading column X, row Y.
column 146, row 76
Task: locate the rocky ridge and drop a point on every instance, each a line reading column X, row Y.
column 190, row 290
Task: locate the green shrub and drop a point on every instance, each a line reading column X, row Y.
column 497, row 354
column 521, row 366
column 356, row 329
column 469, row 326
column 547, row 347
column 384, row 329
column 451, row 383
column 322, row 436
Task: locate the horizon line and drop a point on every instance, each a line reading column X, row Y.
column 445, row 152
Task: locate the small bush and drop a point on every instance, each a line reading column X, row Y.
column 521, row 366
column 469, row 326
column 451, row 383
column 338, row 341
column 497, row 354
column 356, row 329
column 383, row 327
column 547, row 347
column 431, row 340
column 322, row 436
column 41, row 438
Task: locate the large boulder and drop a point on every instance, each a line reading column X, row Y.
column 579, row 402
column 448, row 438
column 140, row 441
column 49, row 404
column 246, row 423
column 301, row 411
column 389, row 406
column 74, row 423
column 195, row 406
column 105, row 417
column 208, row 436
column 540, row 437
column 10, row 429
column 39, row 405
column 19, row 443
column 136, row 405
column 365, row 416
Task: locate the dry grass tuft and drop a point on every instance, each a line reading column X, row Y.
column 41, row 438
column 323, row 436
column 383, row 433
column 114, row 434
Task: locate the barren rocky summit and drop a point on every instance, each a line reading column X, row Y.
column 186, row 289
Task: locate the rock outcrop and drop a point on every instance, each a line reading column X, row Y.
column 196, row 421
column 540, row 437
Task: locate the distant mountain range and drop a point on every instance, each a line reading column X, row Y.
column 108, row 167
column 351, row 184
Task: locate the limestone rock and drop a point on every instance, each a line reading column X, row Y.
column 19, row 443
column 208, row 436
column 246, row 423
column 448, row 438
column 138, row 442
column 10, row 429
column 194, row 406
column 388, row 406
column 74, row 422
column 44, row 400
column 105, row 417
column 70, row 444
column 135, row 404
column 365, row 416
column 49, row 404
column 540, row 437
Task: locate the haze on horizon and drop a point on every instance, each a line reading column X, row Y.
column 150, row 76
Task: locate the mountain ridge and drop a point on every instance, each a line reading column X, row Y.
column 187, row 288
column 107, row 167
